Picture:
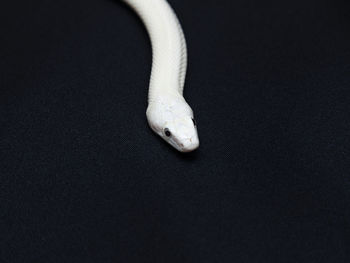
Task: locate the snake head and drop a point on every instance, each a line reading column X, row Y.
column 171, row 118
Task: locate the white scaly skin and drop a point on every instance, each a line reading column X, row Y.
column 168, row 113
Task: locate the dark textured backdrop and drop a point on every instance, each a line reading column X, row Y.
column 83, row 179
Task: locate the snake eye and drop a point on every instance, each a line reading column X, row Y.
column 167, row 132
column 194, row 122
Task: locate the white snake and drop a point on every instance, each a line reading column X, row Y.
column 168, row 113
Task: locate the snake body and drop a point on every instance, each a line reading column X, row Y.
column 168, row 113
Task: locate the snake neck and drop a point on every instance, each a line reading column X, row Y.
column 164, row 96
column 169, row 53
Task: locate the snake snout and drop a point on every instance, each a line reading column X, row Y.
column 189, row 145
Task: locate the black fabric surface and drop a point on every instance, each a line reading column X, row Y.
column 83, row 178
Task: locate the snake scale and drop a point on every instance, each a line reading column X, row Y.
column 168, row 113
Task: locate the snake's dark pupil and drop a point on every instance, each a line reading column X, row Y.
column 194, row 122
column 167, row 133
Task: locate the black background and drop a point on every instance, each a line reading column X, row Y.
column 83, row 178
